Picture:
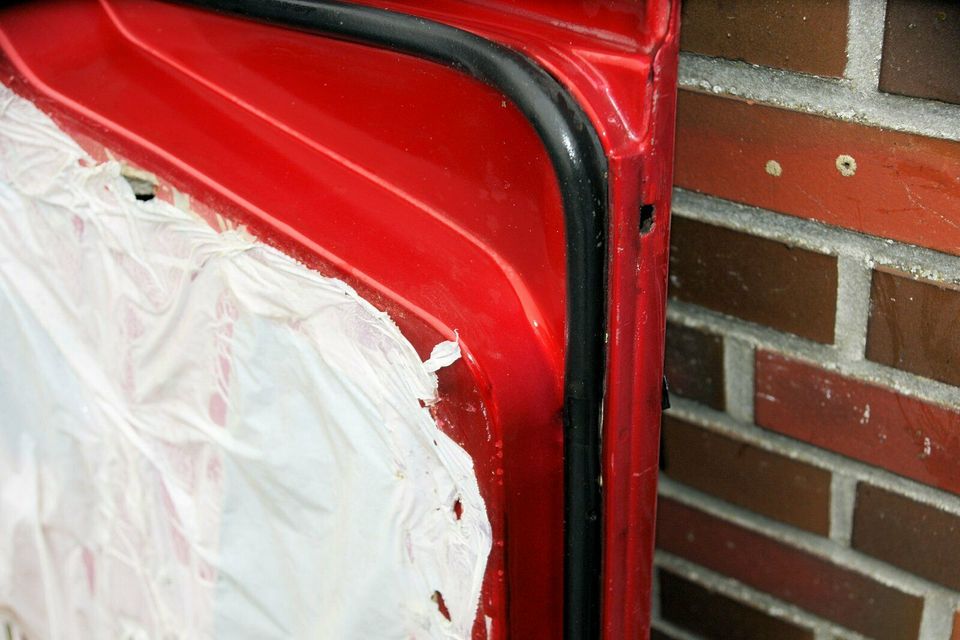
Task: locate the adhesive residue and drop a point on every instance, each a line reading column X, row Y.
column 201, row 438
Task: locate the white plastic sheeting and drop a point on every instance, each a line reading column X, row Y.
column 200, row 437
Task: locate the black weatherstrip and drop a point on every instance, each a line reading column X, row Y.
column 580, row 164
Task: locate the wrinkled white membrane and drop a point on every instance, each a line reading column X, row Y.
column 201, row 438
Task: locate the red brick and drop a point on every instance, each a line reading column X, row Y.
column 915, row 537
column 921, row 49
column 772, row 485
column 913, row 326
column 802, row 35
column 869, row 423
column 845, row 597
column 756, row 279
column 956, row 627
column 694, row 365
column 905, row 187
column 712, row 615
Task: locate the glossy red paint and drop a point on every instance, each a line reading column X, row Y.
column 432, row 194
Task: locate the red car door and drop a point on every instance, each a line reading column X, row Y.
column 495, row 170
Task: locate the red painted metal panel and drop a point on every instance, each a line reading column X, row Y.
column 433, row 195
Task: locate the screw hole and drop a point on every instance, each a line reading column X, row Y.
column 646, row 218
column 143, row 190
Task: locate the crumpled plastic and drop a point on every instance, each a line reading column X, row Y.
column 202, row 438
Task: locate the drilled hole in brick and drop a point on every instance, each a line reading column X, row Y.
column 646, row 218
column 441, row 605
column 458, row 508
column 846, row 165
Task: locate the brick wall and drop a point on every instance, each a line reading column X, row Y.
column 810, row 483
